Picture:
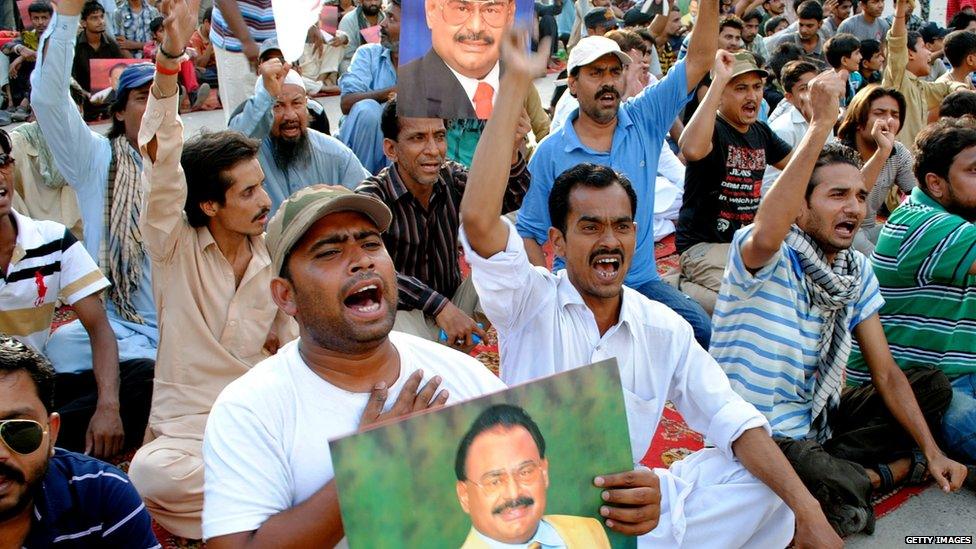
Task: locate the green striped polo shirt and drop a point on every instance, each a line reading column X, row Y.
column 922, row 262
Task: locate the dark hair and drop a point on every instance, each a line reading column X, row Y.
column 792, row 72
column 753, row 15
column 627, row 40
column 961, row 20
column 811, row 9
column 857, row 113
column 958, row 46
column 40, row 7
column 645, row 35
column 841, row 45
column 833, row 153
column 505, row 415
column 389, row 121
column 586, row 174
column 156, row 24
column 958, row 103
column 206, row 161
column 730, row 21
column 869, row 48
column 937, row 146
column 91, row 7
column 15, row 356
column 783, row 54
column 117, row 106
column 913, row 38
column 207, row 15
column 772, row 23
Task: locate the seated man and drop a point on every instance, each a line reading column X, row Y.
column 23, row 52
column 727, row 156
column 51, row 495
column 103, row 406
column 960, row 52
column 206, row 63
column 549, row 323
column 791, row 117
column 132, row 20
column 292, row 155
column 366, row 14
column 793, row 301
column 203, row 226
column 366, row 85
column 628, row 136
column 925, row 262
column 810, row 17
column 423, row 190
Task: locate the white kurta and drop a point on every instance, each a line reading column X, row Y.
column 544, row 327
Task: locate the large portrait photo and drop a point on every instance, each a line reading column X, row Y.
column 449, row 55
column 515, row 467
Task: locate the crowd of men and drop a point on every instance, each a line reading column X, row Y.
column 239, row 298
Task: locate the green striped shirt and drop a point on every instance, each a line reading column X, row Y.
column 922, row 262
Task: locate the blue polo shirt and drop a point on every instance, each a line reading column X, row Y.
column 84, row 502
column 642, row 124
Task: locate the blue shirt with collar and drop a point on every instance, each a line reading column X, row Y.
column 546, row 536
column 371, row 69
column 84, row 502
column 642, row 124
column 84, row 157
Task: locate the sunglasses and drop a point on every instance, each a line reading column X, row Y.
column 22, row 436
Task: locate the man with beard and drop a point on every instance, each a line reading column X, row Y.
column 367, row 14
column 727, row 149
column 548, row 323
column 48, row 494
column 292, row 155
column 926, row 261
column 458, row 76
column 504, row 444
column 203, row 225
column 794, row 300
column 368, row 84
column 627, row 137
column 424, row 192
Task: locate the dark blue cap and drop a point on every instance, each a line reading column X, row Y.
column 135, row 76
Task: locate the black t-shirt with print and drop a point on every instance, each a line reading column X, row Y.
column 722, row 190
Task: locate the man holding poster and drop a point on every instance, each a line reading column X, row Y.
column 726, row 496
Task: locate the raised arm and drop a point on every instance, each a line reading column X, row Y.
column 256, row 119
column 696, row 138
column 161, row 137
column 897, row 65
column 484, row 193
column 235, row 22
column 885, row 141
column 71, row 142
column 703, row 44
column 781, row 205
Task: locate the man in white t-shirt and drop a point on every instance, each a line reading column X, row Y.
column 549, row 323
column 269, row 475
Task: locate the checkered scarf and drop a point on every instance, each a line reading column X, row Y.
column 122, row 253
column 832, row 288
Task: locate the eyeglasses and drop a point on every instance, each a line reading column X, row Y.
column 525, row 475
column 23, row 436
column 493, row 13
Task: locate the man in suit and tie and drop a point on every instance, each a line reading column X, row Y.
column 458, row 76
column 503, row 475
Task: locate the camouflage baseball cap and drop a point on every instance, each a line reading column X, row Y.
column 306, row 206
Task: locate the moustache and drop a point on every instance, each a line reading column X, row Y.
column 607, row 251
column 521, row 501
column 11, row 473
column 481, row 36
column 607, row 89
column 261, row 213
column 363, row 277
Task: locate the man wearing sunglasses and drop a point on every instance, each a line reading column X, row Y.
column 458, row 76
column 49, row 495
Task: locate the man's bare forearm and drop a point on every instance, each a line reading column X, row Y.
column 763, row 458
column 347, row 101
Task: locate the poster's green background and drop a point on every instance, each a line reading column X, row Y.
column 396, row 483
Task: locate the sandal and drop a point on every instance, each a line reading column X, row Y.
column 918, row 472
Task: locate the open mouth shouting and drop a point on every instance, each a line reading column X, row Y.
column 846, row 229
column 607, row 266
column 750, row 110
column 608, row 97
column 365, row 300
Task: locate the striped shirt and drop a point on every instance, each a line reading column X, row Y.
column 897, row 170
column 423, row 242
column 257, row 16
column 83, row 502
column 48, row 262
column 922, row 261
column 766, row 333
column 134, row 25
